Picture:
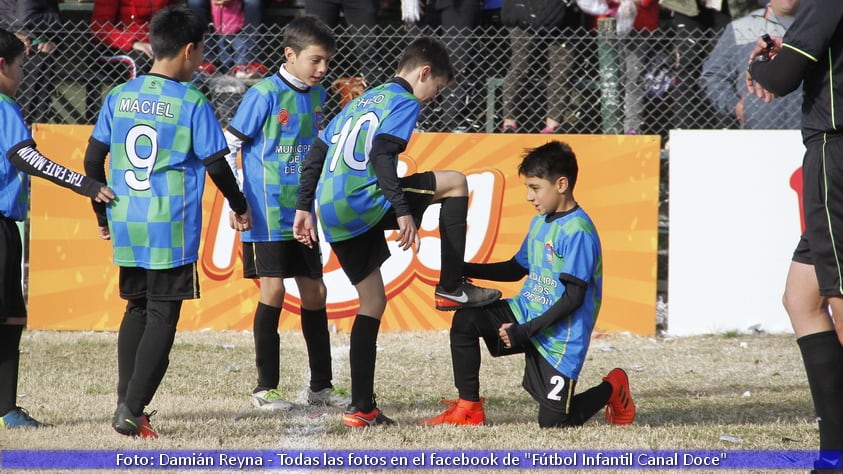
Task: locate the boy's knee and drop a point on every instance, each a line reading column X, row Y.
column 451, row 183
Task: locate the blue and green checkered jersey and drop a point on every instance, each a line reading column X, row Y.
column 281, row 123
column 158, row 131
column 349, row 200
column 568, row 246
column 14, row 184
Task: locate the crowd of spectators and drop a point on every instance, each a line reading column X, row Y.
column 546, row 66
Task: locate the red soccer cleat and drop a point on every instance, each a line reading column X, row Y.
column 620, row 409
column 461, row 412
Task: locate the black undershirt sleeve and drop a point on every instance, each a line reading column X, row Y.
column 782, row 74
column 26, row 158
column 520, row 334
column 95, row 168
column 384, row 157
column 311, row 170
column 509, row 270
column 224, row 179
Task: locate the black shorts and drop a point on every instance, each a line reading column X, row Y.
column 171, row 284
column 543, row 382
column 822, row 202
column 12, row 304
column 285, row 259
column 546, row 384
column 361, row 255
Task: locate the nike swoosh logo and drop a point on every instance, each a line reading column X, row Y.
column 462, row 298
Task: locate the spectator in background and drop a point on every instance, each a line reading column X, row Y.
column 36, row 23
column 724, row 73
column 634, row 49
column 122, row 26
column 362, row 17
column 232, row 47
column 527, row 40
column 693, row 21
column 458, row 19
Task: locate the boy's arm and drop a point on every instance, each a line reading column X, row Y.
column 95, row 168
column 29, row 160
column 520, row 334
column 384, row 153
column 224, row 179
column 509, row 270
column 310, row 172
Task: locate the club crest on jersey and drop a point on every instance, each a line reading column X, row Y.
column 548, row 252
column 284, row 117
column 317, row 119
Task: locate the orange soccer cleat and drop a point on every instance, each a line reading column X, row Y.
column 461, row 412
column 620, row 409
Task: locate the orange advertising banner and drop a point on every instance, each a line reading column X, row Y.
column 73, row 284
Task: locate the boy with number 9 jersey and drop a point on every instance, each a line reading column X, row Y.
column 162, row 135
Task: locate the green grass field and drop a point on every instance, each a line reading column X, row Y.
column 719, row 392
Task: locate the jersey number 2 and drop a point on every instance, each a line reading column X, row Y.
column 558, row 384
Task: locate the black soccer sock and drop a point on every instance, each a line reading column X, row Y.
column 588, row 403
column 153, row 354
column 267, row 346
column 452, row 229
column 362, row 355
column 465, row 355
column 9, row 366
column 128, row 338
column 823, row 359
column 314, row 328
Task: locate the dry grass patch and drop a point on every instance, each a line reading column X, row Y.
column 689, row 393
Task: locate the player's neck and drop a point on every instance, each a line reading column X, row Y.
column 171, row 68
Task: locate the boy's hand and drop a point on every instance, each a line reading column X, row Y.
column 504, row 336
column 303, row 228
column 241, row 222
column 408, row 234
column 105, row 195
column 104, row 233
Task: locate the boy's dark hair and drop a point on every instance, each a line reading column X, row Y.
column 308, row 30
column 10, row 46
column 172, row 28
column 550, row 161
column 427, row 51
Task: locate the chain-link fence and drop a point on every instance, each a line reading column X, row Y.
column 589, row 81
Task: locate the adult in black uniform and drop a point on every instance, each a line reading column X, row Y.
column 811, row 52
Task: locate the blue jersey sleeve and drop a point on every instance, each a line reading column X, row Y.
column 581, row 251
column 404, row 112
column 208, row 138
column 102, row 129
column 521, row 257
column 251, row 114
column 15, row 130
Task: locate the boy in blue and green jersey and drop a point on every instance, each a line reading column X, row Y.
column 275, row 126
column 351, row 171
column 162, row 136
column 551, row 319
column 20, row 158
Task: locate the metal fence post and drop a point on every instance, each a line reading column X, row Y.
column 607, row 60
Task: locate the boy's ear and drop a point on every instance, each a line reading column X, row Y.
column 562, row 184
column 289, row 54
column 424, row 73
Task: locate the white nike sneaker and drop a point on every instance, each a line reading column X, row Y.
column 464, row 296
